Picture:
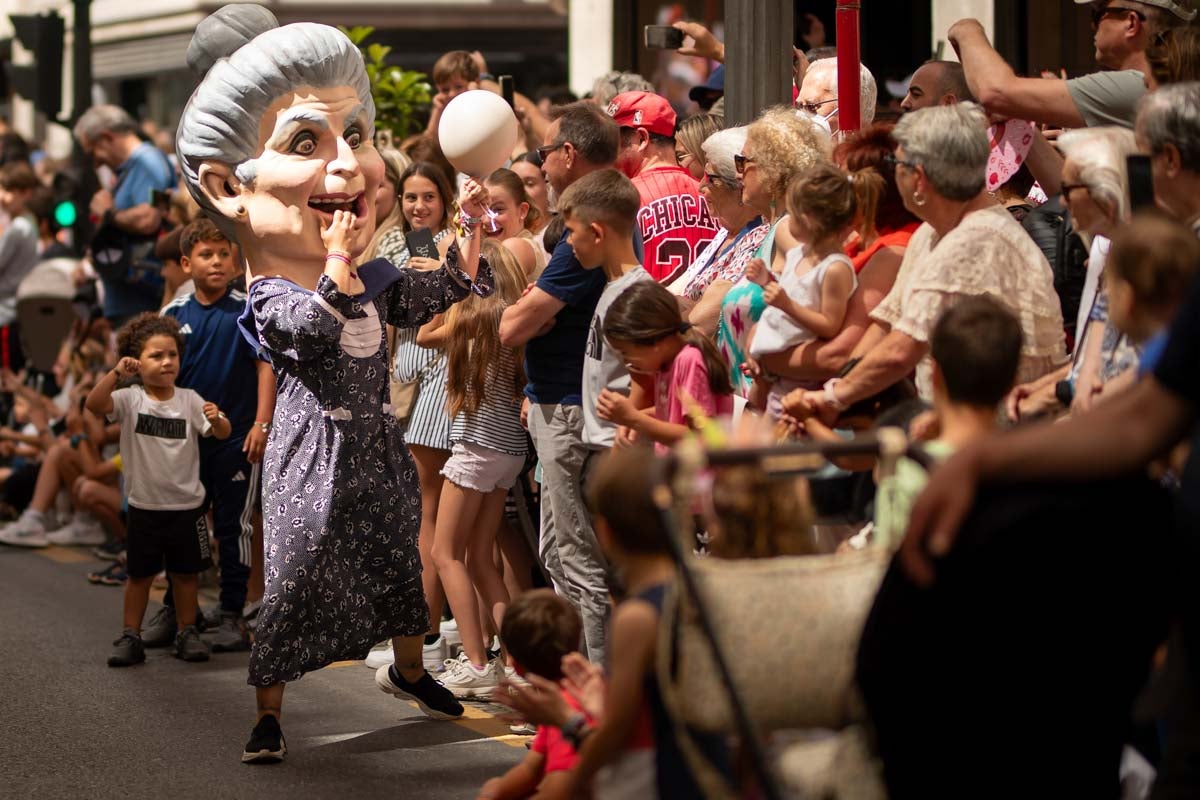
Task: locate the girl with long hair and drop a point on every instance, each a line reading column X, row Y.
column 645, row 326
column 426, row 201
column 489, row 446
column 515, row 219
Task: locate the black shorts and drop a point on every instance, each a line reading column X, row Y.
column 173, row 540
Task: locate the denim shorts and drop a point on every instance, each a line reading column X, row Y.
column 483, row 469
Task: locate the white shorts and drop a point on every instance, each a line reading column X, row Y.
column 483, row 469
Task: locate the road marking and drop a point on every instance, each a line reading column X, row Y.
column 64, row 555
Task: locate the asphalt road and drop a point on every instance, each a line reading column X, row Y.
column 72, row 727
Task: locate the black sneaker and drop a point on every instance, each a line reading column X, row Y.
column 160, row 630
column 434, row 700
column 189, row 646
column 266, row 745
column 127, row 650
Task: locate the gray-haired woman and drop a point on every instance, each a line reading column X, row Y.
column 276, row 147
column 723, row 262
column 969, row 246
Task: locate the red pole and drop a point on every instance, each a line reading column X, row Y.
column 849, row 102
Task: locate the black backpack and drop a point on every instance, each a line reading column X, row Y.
column 1050, row 227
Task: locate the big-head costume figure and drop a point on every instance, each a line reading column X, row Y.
column 276, row 145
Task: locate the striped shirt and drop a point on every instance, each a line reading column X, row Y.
column 674, row 221
column 496, row 424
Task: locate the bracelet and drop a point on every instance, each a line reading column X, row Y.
column 221, row 415
column 338, row 255
column 831, row 395
column 265, row 427
column 467, row 222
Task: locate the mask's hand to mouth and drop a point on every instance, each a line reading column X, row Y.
column 338, row 239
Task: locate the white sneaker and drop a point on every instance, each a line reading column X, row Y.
column 510, row 675
column 25, row 532
column 465, row 681
column 434, row 655
column 81, row 532
column 381, row 656
column 449, row 631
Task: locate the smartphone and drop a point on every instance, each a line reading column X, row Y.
column 420, row 243
column 1141, row 182
column 506, row 89
column 663, row 37
column 58, row 427
column 160, row 199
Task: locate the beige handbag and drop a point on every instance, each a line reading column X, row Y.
column 402, row 395
column 789, row 629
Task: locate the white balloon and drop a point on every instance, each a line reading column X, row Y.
column 478, row 132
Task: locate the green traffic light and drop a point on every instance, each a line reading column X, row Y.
column 65, row 214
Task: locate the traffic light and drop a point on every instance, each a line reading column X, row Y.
column 41, row 81
column 72, row 190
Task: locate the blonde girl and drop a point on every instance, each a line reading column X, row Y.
column 488, row 449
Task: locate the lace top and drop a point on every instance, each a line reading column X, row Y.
column 987, row 253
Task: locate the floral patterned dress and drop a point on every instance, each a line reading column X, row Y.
column 341, row 507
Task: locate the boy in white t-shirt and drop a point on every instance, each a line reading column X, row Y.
column 160, row 430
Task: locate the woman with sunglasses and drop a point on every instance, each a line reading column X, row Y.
column 779, row 145
column 723, row 263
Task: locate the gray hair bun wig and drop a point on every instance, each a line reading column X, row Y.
column 250, row 63
column 224, row 31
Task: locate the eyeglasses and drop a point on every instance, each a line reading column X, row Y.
column 891, row 159
column 740, row 161
column 714, row 180
column 546, row 150
column 1098, row 13
column 812, row 107
column 1067, row 188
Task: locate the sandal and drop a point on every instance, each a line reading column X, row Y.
column 112, row 575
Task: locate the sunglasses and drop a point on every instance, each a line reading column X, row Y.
column 546, row 150
column 740, row 161
column 1098, row 14
column 813, row 108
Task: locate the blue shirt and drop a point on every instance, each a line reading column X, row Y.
column 218, row 362
column 145, row 171
column 554, row 361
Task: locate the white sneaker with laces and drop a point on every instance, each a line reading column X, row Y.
column 80, row 532
column 464, row 680
column 28, row 531
column 434, row 655
column 381, row 655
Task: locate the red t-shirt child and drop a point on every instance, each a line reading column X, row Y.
column 674, row 221
column 549, row 741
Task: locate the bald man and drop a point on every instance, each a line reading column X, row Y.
column 936, row 83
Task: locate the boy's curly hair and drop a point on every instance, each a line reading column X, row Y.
column 134, row 334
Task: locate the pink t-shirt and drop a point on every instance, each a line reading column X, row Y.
column 687, row 373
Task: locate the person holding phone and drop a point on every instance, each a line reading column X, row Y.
column 427, row 208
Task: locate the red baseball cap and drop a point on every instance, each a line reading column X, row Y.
column 643, row 110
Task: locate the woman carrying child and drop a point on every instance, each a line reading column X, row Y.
column 809, row 299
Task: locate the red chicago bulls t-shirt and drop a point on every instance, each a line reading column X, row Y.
column 674, row 221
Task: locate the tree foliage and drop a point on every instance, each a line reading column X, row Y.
column 401, row 96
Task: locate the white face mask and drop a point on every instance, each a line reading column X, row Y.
column 818, row 121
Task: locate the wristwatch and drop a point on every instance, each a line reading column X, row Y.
column 831, row 397
column 576, row 729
